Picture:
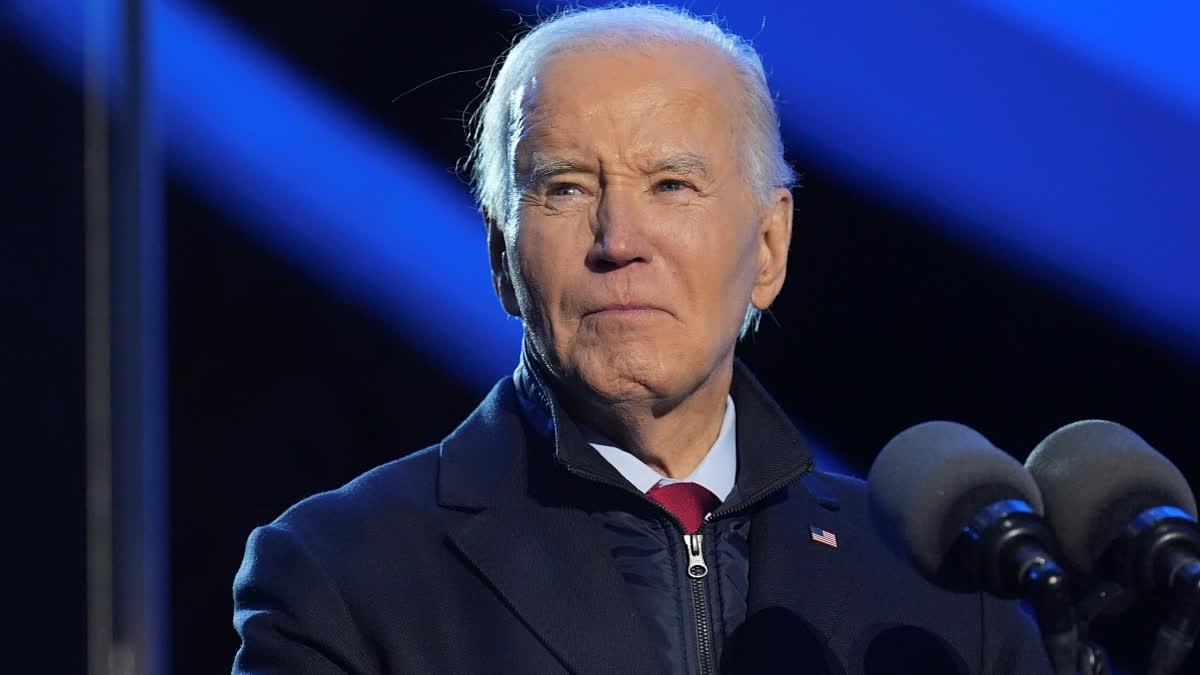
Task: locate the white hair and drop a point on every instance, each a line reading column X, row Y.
column 497, row 122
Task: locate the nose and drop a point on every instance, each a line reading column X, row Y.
column 620, row 228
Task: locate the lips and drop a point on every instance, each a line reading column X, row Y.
column 624, row 307
column 629, row 309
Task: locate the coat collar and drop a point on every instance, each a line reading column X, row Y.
column 771, row 452
column 486, row 457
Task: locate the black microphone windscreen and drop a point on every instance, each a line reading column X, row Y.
column 1096, row 477
column 931, row 479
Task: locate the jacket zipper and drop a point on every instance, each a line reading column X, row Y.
column 697, row 569
column 761, row 495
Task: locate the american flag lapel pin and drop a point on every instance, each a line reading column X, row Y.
column 823, row 536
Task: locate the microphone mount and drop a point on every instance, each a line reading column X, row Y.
column 1163, row 558
column 1005, row 548
column 1002, row 547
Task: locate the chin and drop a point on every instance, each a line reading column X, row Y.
column 628, row 373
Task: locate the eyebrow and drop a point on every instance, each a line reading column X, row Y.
column 543, row 167
column 684, row 163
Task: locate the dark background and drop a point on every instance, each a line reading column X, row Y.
column 280, row 387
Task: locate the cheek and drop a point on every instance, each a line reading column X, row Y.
column 542, row 262
column 728, row 255
column 748, row 248
column 731, row 264
column 742, row 241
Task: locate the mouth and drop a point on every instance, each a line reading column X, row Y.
column 625, row 309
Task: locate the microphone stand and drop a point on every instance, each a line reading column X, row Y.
column 1051, row 599
column 1164, row 555
column 1062, row 633
column 1104, row 598
column 1177, row 634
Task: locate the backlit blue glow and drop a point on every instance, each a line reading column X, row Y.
column 312, row 180
column 1151, row 42
column 1083, row 170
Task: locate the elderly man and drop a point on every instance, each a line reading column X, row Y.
column 630, row 500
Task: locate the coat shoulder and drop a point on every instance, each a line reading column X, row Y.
column 395, row 496
column 849, row 492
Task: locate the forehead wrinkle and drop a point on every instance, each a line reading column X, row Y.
column 548, row 111
column 690, row 106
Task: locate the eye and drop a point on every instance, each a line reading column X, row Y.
column 671, row 185
column 564, row 190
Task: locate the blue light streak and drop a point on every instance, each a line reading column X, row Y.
column 315, row 182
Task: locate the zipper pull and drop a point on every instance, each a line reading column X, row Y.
column 697, row 569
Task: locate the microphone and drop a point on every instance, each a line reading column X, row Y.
column 935, row 480
column 1123, row 511
column 966, row 512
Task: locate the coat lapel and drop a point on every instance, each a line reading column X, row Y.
column 537, row 548
column 550, row 570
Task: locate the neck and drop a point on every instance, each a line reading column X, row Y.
column 669, row 434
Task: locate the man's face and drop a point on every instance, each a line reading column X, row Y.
column 637, row 243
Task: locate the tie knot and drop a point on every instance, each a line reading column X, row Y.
column 688, row 501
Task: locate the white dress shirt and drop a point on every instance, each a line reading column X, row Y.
column 716, row 472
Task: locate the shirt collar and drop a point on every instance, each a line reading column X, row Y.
column 769, row 450
column 717, row 472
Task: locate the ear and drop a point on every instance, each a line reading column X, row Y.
column 776, row 235
column 501, row 273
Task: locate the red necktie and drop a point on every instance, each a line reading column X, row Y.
column 688, row 501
